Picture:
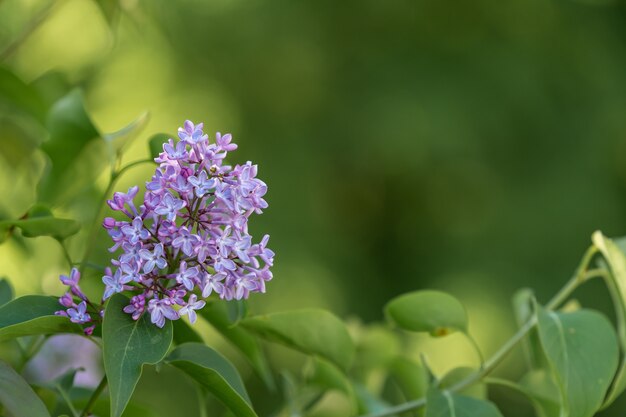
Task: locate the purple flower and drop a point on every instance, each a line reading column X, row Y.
column 135, row 231
column 187, row 276
column 213, row 283
column 136, row 307
column 72, row 280
column 191, row 306
column 202, row 184
column 191, row 133
column 154, row 258
column 113, row 283
column 179, row 151
column 224, row 142
column 79, row 314
column 169, row 207
column 185, row 241
column 160, row 310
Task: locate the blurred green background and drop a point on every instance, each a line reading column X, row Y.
column 467, row 146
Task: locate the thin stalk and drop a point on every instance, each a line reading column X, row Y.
column 94, row 397
column 579, row 277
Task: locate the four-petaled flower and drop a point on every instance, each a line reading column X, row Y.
column 191, row 307
column 154, row 258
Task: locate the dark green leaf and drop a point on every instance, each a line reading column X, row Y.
column 315, row 332
column 51, row 86
column 369, row 403
column 523, row 308
column 43, row 226
column 216, row 374
column 6, row 291
column 17, row 397
column 447, row 404
column 33, row 315
column 74, row 147
column 216, row 313
column 184, row 333
column 237, row 310
column 155, row 143
column 435, row 312
column 14, row 93
column 326, row 375
column 582, row 350
column 616, row 283
column 128, row 345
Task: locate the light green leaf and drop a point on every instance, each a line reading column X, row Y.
column 17, row 397
column 326, row 375
column 412, row 379
column 39, row 221
column 368, row 403
column 216, row 313
column 582, row 350
column 216, row 374
column 314, row 332
column 33, row 315
column 435, row 312
column 540, row 387
column 74, row 143
column 376, row 347
column 14, row 93
column 155, row 143
column 118, row 141
column 456, row 375
column 446, row 404
column 523, row 302
column 6, row 291
column 128, row 345
column 616, row 283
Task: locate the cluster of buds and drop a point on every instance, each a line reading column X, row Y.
column 189, row 237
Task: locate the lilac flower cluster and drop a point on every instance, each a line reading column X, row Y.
column 78, row 313
column 189, row 238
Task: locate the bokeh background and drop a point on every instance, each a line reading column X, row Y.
column 466, row 146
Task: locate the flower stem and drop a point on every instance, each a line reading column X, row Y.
column 94, row 397
column 580, row 276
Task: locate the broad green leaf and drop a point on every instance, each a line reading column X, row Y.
column 216, row 313
column 216, row 374
column 456, row 375
column 33, row 315
column 118, row 141
column 540, row 387
column 39, row 221
column 446, row 404
column 51, row 86
column 74, row 147
column 17, row 397
column 14, row 93
column 155, row 143
column 326, row 375
column 582, row 350
column 376, row 347
column 314, row 332
column 237, row 310
column 368, row 403
column 616, row 283
column 411, row 378
column 128, row 345
column 6, row 291
column 184, row 333
column 435, row 312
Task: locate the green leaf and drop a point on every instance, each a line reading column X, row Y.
column 17, row 397
column 376, row 347
column 128, row 345
column 74, row 147
column 237, row 310
column 40, row 222
column 582, row 350
column 33, row 315
column 216, row 313
column 6, row 291
column 184, row 333
column 14, row 93
column 155, row 143
column 435, row 312
column 314, row 332
column 456, row 375
column 369, row 403
column 523, row 302
column 216, row 374
column 118, row 141
column 540, row 387
column 326, row 375
column 412, row 379
column 616, row 283
column 447, row 404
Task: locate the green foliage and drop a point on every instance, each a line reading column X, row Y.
column 6, row 291
column 33, row 315
column 314, row 332
column 155, row 143
column 39, row 221
column 214, row 373
column 17, row 397
column 446, row 404
column 128, row 345
column 434, row 312
column 583, row 353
